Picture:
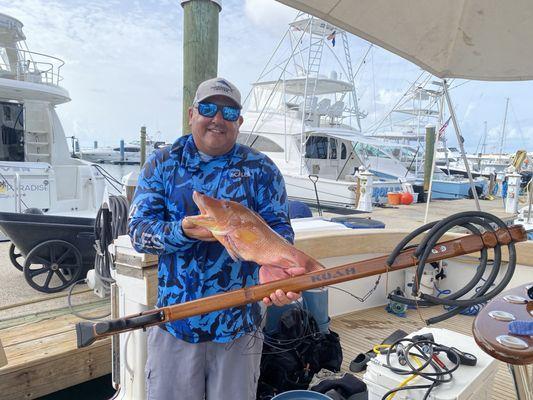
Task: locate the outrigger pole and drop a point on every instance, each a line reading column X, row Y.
column 427, row 251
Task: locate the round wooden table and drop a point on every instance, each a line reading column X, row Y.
column 491, row 332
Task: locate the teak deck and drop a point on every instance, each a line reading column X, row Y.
column 43, row 357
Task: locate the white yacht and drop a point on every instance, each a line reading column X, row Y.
column 36, row 168
column 130, row 153
column 405, row 124
column 309, row 123
column 481, row 165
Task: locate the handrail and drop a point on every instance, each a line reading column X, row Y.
column 26, row 67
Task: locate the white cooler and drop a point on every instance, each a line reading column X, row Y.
column 468, row 383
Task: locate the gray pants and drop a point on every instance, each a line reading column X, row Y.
column 177, row 370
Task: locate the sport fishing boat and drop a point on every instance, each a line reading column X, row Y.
column 36, row 167
column 420, row 107
column 309, row 123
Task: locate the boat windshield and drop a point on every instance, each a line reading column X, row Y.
column 316, row 147
column 12, row 129
column 369, row 150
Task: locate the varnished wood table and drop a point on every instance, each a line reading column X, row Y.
column 491, row 332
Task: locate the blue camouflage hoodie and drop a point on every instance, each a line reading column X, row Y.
column 190, row 269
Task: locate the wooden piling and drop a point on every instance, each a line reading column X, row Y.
column 200, row 49
column 428, row 157
column 143, row 146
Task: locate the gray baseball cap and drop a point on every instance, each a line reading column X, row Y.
column 218, row 87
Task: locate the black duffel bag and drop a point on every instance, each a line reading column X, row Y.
column 292, row 356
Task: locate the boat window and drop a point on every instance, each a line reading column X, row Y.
column 316, row 147
column 260, row 143
column 370, row 150
column 333, row 148
column 12, row 131
column 343, row 151
column 132, row 149
column 7, row 114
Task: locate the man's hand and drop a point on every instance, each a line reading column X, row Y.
column 193, row 231
column 269, row 273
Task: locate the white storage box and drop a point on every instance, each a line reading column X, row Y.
column 468, row 383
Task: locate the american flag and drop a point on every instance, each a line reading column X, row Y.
column 443, row 128
column 331, row 37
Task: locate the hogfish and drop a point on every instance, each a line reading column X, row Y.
column 246, row 236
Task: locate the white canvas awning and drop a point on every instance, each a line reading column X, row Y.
column 471, row 39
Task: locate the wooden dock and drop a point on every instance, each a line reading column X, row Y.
column 42, row 353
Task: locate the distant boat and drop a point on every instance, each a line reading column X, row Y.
column 114, row 155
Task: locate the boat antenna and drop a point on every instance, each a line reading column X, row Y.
column 374, row 129
column 269, row 60
column 273, row 90
column 460, row 143
column 484, row 145
column 502, row 137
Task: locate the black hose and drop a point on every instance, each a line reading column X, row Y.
column 475, row 222
column 111, row 221
column 425, row 349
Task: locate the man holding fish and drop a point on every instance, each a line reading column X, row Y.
column 240, row 238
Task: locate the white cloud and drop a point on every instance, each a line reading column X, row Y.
column 470, row 109
column 121, row 64
column 269, row 15
column 388, row 97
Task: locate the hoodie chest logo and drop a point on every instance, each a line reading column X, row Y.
column 238, row 174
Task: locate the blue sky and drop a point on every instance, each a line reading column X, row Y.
column 124, row 64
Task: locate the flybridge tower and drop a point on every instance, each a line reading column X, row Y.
column 18, row 63
column 29, row 91
column 311, row 37
column 307, row 85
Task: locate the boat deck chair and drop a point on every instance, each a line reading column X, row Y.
column 335, row 112
column 310, row 109
column 322, row 108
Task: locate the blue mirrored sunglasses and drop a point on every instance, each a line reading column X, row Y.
column 210, row 110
